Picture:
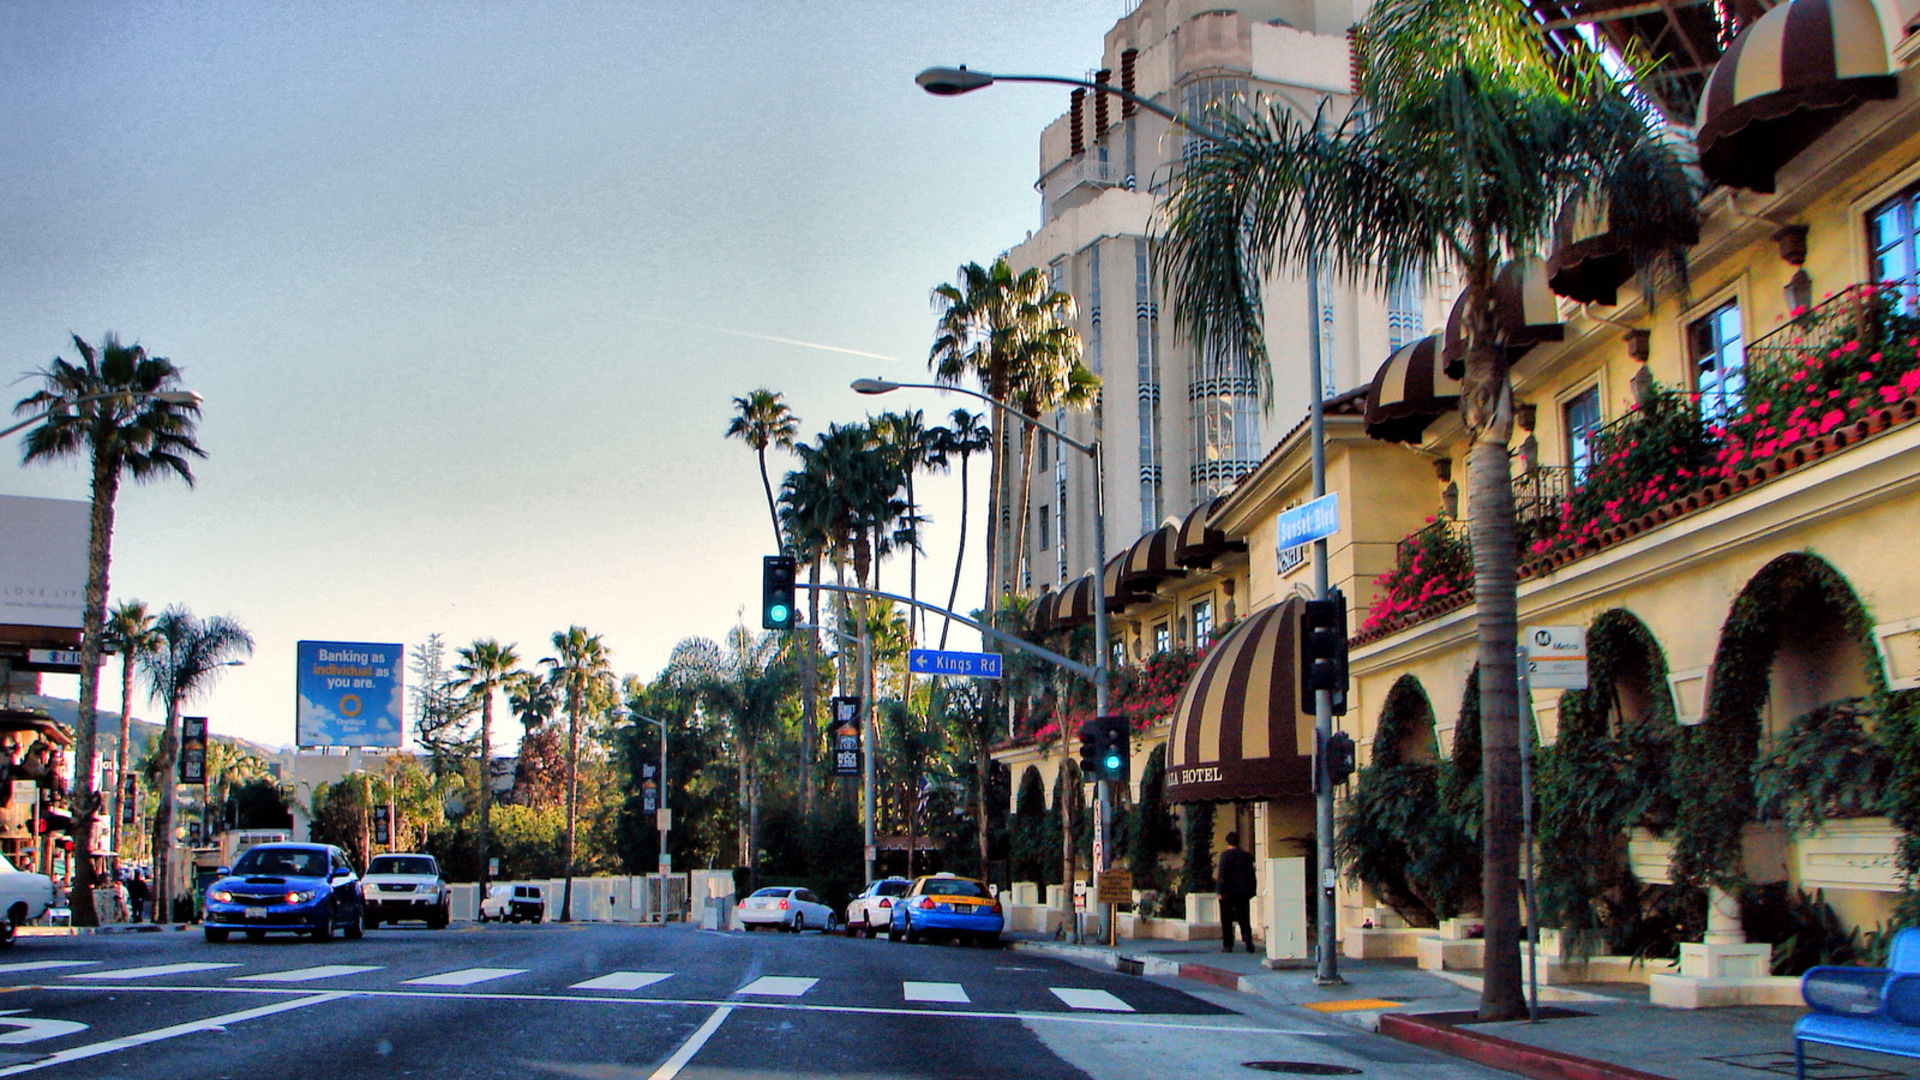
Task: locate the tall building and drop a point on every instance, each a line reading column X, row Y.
column 1180, row 425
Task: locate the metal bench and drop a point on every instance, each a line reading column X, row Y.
column 1873, row 1009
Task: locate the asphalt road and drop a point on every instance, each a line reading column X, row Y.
column 615, row 1002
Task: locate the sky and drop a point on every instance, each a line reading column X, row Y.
column 469, row 290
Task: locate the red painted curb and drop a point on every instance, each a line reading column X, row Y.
column 1212, row 976
column 1504, row 1054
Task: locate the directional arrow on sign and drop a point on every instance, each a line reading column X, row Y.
column 32, row 1030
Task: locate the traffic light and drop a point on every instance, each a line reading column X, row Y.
column 1323, row 651
column 776, row 593
column 1116, row 747
column 1090, row 750
column 1339, row 758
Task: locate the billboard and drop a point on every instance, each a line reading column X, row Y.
column 43, row 561
column 350, row 694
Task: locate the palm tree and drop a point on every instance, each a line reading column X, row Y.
column 105, row 408
column 484, row 667
column 965, row 437
column 580, row 673
column 994, row 324
column 912, row 446
column 764, row 420
column 1469, row 135
column 129, row 632
column 188, row 656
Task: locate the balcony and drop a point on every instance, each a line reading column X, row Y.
column 1079, row 181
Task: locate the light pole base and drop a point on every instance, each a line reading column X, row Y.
column 1329, row 980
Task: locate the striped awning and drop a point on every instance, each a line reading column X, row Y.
column 1152, row 559
column 1525, row 313
column 1784, row 81
column 1042, row 610
column 1590, row 261
column 1238, row 732
column 1074, row 605
column 1409, row 392
column 1118, row 595
column 1199, row 542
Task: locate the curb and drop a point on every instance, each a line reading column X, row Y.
column 1504, row 1054
column 85, row 931
column 1147, row 964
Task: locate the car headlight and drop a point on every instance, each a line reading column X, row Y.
column 220, row 896
column 426, row 888
column 299, row 897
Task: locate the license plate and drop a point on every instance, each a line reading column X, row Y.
column 256, row 913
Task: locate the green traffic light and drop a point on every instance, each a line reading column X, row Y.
column 780, row 612
column 1113, row 762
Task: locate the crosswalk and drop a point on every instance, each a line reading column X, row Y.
column 763, row 987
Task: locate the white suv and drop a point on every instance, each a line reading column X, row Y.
column 408, row 886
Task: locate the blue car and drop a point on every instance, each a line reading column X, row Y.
column 950, row 907
column 285, row 888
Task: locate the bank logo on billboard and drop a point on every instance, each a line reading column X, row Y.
column 351, row 694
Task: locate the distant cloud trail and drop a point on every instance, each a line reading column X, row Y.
column 770, row 337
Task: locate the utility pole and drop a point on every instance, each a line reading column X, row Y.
column 1327, row 963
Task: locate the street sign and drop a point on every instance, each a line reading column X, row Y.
column 382, row 825
column 1079, row 894
column 663, row 819
column 193, row 749
column 845, row 737
column 1116, row 887
column 980, row 665
column 1315, row 520
column 1556, row 657
column 648, row 793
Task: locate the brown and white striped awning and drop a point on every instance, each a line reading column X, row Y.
column 1152, row 559
column 1784, row 81
column 1409, row 392
column 1118, row 595
column 1199, row 542
column 1074, row 606
column 1042, row 610
column 1525, row 313
column 1238, row 732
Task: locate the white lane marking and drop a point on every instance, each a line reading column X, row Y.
column 951, row 993
column 465, row 976
column 324, row 971
column 33, row 1030
column 778, row 986
column 1098, row 1000
column 671, row 1067
column 150, row 972
column 45, row 965
column 622, row 980
column 128, row 1042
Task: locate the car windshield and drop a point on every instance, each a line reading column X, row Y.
column 773, row 892
column 285, row 862
column 954, row 887
column 402, row 864
column 891, row 888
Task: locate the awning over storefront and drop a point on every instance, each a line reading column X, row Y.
column 1783, row 82
column 1409, row 392
column 1199, row 542
column 1043, row 607
column 1118, row 595
column 1074, row 605
column 1152, row 559
column 1238, row 732
column 1525, row 313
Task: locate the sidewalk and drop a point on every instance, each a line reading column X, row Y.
column 1603, row 1031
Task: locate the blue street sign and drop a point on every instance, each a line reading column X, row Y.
column 981, row 665
column 1305, row 524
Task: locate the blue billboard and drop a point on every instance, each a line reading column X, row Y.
column 351, row 694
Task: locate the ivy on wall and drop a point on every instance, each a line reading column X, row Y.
column 1196, row 830
column 1150, row 829
column 1036, row 833
column 1829, row 763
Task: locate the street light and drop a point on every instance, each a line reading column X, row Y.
column 186, row 398
column 1102, row 649
column 664, row 819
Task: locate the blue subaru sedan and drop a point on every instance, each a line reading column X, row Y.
column 285, row 888
column 950, row 907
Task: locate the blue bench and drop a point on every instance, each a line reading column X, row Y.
column 1874, row 1009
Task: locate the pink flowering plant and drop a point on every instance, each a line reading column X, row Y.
column 1432, row 565
column 1659, row 451
column 1147, row 695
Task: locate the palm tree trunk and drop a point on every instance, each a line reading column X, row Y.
column 982, row 761
column 997, row 503
column 1024, row 514
column 914, row 618
column 773, row 510
column 753, row 823
column 162, row 899
column 573, row 798
column 486, row 782
column 953, row 594
column 120, row 752
column 743, row 824
column 106, row 485
column 810, row 705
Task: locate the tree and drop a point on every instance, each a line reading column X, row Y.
column 964, row 712
column 912, row 446
column 129, row 632
column 441, row 708
column 188, row 655
column 106, row 408
column 485, row 667
column 764, row 420
column 1469, row 135
column 966, row 437
column 580, row 673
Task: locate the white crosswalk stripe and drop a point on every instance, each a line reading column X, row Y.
column 948, row 993
column 324, row 971
column 45, row 965
column 149, row 972
column 1098, row 1000
column 778, row 986
column 465, row 976
column 623, row 980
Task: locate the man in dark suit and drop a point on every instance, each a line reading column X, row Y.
column 1236, row 883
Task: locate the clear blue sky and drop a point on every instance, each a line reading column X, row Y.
column 455, row 281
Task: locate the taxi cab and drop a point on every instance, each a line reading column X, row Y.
column 947, row 906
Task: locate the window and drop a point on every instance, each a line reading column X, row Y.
column 1893, row 233
column 1719, row 360
column 1404, row 301
column 1583, row 423
column 1044, row 527
column 1202, row 623
column 1040, row 451
column 1162, row 637
column 1119, row 652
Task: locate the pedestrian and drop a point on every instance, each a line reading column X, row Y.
column 1236, row 893
column 137, row 892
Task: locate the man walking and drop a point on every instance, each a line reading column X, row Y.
column 1236, row 893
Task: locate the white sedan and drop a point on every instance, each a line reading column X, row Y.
column 23, row 896
column 788, row 908
column 872, row 911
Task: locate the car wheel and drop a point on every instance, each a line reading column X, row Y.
column 256, row 935
column 892, row 934
column 7, row 933
column 912, row 935
column 354, row 927
column 872, row 931
column 324, row 931
column 216, row 936
column 799, row 923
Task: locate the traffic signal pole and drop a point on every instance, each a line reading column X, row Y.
column 1326, row 970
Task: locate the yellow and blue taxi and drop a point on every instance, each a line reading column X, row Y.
column 945, row 905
